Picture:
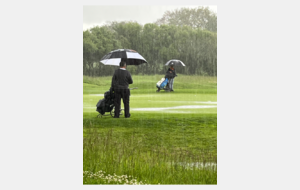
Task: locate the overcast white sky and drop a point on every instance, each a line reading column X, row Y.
column 99, row 14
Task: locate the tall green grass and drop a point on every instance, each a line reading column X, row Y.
column 131, row 157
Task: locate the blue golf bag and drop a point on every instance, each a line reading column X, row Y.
column 162, row 83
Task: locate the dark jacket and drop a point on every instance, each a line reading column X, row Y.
column 170, row 75
column 121, row 79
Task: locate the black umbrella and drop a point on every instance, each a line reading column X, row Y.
column 130, row 56
column 175, row 62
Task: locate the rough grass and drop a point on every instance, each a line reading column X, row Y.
column 146, row 159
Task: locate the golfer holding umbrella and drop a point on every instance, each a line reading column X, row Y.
column 122, row 78
column 120, row 81
column 171, row 73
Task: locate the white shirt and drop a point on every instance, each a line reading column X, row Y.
column 122, row 68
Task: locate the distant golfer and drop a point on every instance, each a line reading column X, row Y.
column 119, row 84
column 171, row 74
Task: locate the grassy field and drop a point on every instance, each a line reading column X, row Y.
column 171, row 137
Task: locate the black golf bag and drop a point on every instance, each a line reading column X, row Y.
column 106, row 104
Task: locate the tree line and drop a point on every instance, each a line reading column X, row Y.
column 195, row 45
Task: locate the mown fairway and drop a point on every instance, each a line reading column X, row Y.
column 171, row 137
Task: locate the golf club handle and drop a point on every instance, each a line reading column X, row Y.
column 133, row 88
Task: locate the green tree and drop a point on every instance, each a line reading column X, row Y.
column 89, row 49
column 197, row 48
column 200, row 17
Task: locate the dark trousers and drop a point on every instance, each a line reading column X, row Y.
column 124, row 94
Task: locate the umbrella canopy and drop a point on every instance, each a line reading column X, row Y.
column 175, row 62
column 114, row 57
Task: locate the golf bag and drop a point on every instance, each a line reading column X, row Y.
column 162, row 83
column 106, row 104
column 101, row 106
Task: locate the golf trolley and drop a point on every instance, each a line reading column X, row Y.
column 107, row 104
column 111, row 112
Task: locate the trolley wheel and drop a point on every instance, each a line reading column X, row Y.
column 100, row 115
column 112, row 112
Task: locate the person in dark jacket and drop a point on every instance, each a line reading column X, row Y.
column 171, row 74
column 120, row 81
